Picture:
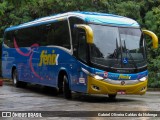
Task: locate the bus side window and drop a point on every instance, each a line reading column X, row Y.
column 73, row 21
column 26, row 37
column 82, row 45
column 58, row 34
column 8, row 40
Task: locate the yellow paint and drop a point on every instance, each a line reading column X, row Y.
column 107, row 88
column 124, row 77
column 89, row 32
column 48, row 59
column 154, row 37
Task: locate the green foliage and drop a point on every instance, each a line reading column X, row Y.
column 2, row 8
column 146, row 12
column 152, row 22
column 127, row 8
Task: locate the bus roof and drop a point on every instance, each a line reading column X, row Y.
column 89, row 17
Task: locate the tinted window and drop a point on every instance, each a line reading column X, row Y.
column 73, row 21
column 57, row 34
column 8, row 40
column 82, row 46
column 27, row 36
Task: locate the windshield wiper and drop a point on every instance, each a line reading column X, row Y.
column 127, row 51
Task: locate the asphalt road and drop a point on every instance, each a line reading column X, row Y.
column 36, row 98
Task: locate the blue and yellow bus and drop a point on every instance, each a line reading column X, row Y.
column 86, row 52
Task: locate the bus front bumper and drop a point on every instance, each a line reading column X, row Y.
column 101, row 87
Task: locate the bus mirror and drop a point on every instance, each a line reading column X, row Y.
column 89, row 32
column 154, row 37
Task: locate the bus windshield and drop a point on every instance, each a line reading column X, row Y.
column 117, row 47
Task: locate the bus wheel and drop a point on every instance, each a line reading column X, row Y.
column 112, row 96
column 15, row 81
column 66, row 90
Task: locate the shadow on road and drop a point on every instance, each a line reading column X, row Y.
column 48, row 91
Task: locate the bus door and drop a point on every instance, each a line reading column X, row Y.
column 80, row 52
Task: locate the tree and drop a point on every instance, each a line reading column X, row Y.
column 152, row 22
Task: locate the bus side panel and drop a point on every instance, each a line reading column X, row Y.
column 47, row 65
column 42, row 66
column 19, row 59
column 79, row 78
column 52, row 60
column 8, row 60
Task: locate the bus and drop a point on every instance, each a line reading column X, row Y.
column 83, row 52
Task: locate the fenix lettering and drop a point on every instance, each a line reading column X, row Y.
column 48, row 59
column 124, row 77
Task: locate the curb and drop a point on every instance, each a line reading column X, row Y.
column 153, row 89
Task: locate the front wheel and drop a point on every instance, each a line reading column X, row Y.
column 66, row 90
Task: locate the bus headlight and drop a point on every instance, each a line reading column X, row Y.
column 93, row 75
column 143, row 79
column 98, row 77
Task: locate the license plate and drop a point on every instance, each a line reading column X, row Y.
column 121, row 92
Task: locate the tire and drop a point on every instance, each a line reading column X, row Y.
column 66, row 90
column 15, row 80
column 112, row 96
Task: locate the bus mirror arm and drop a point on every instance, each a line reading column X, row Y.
column 89, row 32
column 154, row 37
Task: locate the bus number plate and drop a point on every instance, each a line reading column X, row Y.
column 121, row 92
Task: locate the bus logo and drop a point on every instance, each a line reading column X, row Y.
column 48, row 59
column 125, row 60
column 124, row 77
column 105, row 74
column 122, row 82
